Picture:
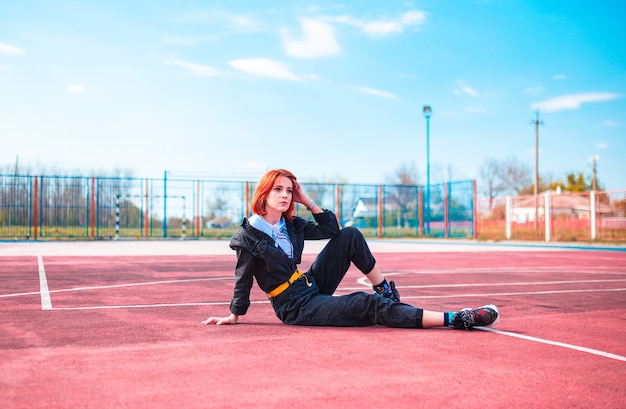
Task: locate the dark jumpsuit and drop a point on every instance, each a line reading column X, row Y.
column 310, row 300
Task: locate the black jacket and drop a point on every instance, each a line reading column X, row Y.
column 260, row 257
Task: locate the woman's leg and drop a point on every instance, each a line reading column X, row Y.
column 431, row 319
column 355, row 310
column 331, row 265
column 362, row 309
column 375, row 276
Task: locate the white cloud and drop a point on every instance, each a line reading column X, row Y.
column 413, row 17
column 264, row 67
column 572, row 101
column 347, row 20
column 384, row 27
column 473, row 110
column 11, row 50
column 559, row 77
column 194, row 69
column 75, row 88
column 602, row 145
column 190, row 40
column 381, row 28
column 234, row 22
column 470, row 91
column 465, row 89
column 376, row 92
column 610, row 123
column 317, row 40
column 533, row 91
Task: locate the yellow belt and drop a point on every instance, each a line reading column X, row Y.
column 278, row 290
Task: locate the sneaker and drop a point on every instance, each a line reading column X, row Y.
column 390, row 292
column 485, row 316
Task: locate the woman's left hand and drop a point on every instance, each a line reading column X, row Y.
column 299, row 196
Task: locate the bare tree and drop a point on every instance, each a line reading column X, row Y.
column 514, row 175
column 405, row 174
column 403, row 192
column 509, row 176
column 444, row 173
column 491, row 186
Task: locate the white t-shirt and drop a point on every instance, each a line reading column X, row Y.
column 276, row 231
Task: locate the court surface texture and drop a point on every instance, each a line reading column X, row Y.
column 117, row 324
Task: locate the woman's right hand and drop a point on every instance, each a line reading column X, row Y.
column 231, row 319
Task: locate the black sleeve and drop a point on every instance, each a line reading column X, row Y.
column 244, row 279
column 324, row 227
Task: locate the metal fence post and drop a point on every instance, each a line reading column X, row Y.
column 36, row 208
column 380, row 211
column 446, row 210
column 547, row 210
column 182, row 237
column 474, row 211
column 420, row 211
column 593, row 215
column 165, row 204
column 338, row 203
column 117, row 217
column 246, row 199
column 197, row 211
column 146, row 213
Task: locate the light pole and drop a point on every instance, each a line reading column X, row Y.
column 427, row 111
column 537, row 122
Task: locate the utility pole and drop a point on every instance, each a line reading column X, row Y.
column 594, row 169
column 537, row 122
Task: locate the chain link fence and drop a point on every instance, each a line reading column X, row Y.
column 56, row 207
column 585, row 216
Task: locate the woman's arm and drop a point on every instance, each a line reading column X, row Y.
column 244, row 279
column 325, row 226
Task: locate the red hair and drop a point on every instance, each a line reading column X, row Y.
column 266, row 184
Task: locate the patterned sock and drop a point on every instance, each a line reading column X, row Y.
column 448, row 317
column 382, row 288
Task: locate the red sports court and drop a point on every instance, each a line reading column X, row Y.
column 118, row 324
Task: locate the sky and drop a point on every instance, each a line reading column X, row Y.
column 331, row 90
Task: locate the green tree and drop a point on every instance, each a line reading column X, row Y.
column 575, row 182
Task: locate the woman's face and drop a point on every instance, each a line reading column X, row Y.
column 279, row 198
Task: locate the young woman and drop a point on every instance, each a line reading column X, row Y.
column 269, row 248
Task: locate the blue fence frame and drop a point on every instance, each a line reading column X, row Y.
column 56, row 207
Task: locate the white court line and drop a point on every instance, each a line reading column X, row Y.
column 115, row 307
column 600, row 290
column 46, row 302
column 555, row 343
column 364, row 282
column 611, row 280
column 511, row 334
column 267, row 302
column 118, row 286
column 45, row 294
